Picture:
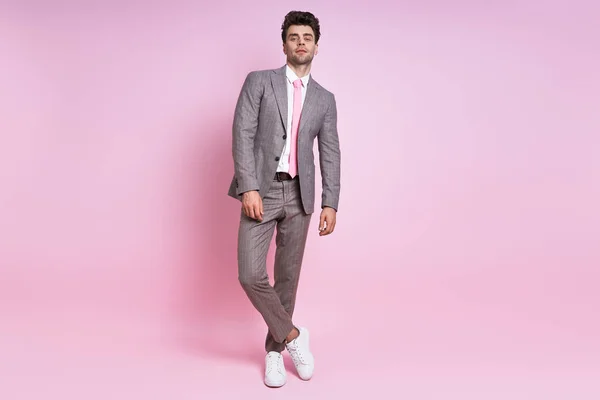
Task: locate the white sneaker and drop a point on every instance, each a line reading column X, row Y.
column 274, row 369
column 301, row 355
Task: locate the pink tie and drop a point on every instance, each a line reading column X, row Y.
column 295, row 124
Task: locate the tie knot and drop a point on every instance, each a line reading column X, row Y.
column 298, row 83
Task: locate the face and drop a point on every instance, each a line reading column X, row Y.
column 300, row 47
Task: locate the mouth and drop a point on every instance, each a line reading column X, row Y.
column 300, row 51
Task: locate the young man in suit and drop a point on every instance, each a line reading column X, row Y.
column 278, row 116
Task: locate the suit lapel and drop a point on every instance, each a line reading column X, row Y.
column 278, row 81
column 309, row 106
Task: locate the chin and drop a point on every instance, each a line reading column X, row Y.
column 305, row 60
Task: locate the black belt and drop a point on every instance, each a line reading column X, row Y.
column 283, row 176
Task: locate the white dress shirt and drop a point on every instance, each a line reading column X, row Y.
column 284, row 165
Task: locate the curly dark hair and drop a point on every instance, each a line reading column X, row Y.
column 301, row 18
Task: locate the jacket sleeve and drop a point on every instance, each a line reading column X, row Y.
column 330, row 157
column 245, row 125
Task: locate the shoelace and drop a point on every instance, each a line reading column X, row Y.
column 273, row 362
column 296, row 355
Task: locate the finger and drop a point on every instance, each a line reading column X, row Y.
column 322, row 223
column 329, row 226
column 257, row 212
column 251, row 212
column 262, row 209
column 324, row 229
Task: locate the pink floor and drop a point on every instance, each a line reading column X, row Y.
column 422, row 343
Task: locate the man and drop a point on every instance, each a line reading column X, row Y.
column 278, row 115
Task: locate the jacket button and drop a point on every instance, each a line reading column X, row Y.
column 276, row 158
column 284, row 137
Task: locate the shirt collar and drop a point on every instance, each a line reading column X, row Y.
column 291, row 75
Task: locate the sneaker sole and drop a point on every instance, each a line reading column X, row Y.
column 273, row 386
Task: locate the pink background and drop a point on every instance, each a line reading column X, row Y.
column 465, row 260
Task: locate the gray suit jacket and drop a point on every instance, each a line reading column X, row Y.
column 259, row 128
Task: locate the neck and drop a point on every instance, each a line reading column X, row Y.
column 300, row 70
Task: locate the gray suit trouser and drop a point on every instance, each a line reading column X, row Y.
column 282, row 209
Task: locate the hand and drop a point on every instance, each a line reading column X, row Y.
column 252, row 205
column 327, row 221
